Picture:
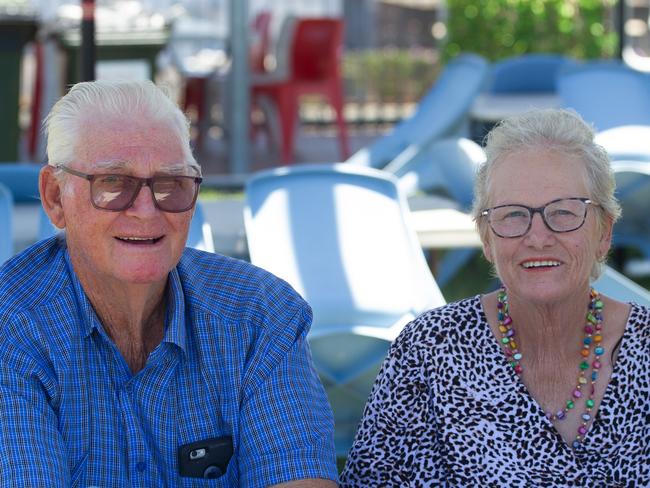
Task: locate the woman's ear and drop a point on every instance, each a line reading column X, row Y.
column 51, row 190
column 605, row 241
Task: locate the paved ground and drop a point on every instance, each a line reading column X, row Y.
column 312, row 146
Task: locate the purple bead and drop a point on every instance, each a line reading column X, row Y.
column 560, row 414
column 507, row 320
column 577, row 393
column 582, row 430
column 510, row 333
column 589, row 329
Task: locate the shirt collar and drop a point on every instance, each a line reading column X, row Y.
column 175, row 332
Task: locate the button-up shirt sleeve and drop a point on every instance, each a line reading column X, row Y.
column 285, row 419
column 33, row 451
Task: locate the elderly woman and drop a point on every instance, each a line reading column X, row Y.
column 544, row 382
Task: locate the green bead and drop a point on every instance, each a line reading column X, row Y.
column 584, row 365
column 505, row 340
column 598, row 305
column 591, row 318
column 570, row 404
column 513, row 364
column 590, row 403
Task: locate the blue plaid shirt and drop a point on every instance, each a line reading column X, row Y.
column 234, row 361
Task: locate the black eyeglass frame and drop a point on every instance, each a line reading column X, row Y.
column 540, row 210
column 140, row 183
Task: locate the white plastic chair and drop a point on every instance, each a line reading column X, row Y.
column 606, row 94
column 200, row 234
column 442, row 112
column 617, row 286
column 448, row 165
column 627, row 142
column 339, row 234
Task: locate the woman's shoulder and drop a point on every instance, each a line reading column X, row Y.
column 438, row 325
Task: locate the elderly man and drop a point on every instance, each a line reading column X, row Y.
column 128, row 360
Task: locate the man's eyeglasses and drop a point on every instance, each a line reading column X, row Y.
column 117, row 192
column 561, row 215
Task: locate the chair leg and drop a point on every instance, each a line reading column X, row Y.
column 288, row 108
column 336, row 99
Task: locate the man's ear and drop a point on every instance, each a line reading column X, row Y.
column 51, row 189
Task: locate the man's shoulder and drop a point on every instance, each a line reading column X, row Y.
column 210, row 279
column 32, row 277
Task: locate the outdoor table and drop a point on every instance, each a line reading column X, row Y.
column 490, row 108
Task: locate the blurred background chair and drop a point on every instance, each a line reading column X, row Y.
column 606, row 94
column 448, row 168
column 528, row 73
column 626, row 143
column 200, row 234
column 339, row 234
column 22, row 180
column 6, row 224
column 632, row 230
column 617, row 286
column 314, row 68
column 260, row 45
column 442, row 112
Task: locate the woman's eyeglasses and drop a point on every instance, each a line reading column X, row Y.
column 117, row 192
column 561, row 215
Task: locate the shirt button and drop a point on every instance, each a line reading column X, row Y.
column 141, row 466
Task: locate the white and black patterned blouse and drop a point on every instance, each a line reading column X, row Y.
column 447, row 410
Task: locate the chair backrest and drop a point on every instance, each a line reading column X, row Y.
column 316, row 49
column 626, row 143
column 617, row 286
column 22, row 181
column 606, row 94
column 440, row 113
column 449, row 165
column 528, row 73
column 633, row 193
column 6, row 223
column 200, row 233
column 339, row 235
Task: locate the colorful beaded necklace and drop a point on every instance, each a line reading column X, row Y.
column 593, row 336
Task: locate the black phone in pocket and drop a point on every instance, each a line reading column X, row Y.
column 206, row 459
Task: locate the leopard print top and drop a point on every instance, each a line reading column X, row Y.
column 448, row 410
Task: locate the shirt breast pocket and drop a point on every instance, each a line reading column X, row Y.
column 228, row 480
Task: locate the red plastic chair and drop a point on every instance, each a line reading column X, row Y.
column 314, row 68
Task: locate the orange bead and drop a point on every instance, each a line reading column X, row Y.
column 598, row 338
column 585, row 352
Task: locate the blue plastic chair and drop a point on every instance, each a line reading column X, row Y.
column 528, row 73
column 606, row 94
column 626, row 143
column 339, row 234
column 6, row 223
column 22, row 180
column 442, row 112
column 618, row 286
column 633, row 193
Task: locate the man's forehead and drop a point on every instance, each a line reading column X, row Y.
column 124, row 166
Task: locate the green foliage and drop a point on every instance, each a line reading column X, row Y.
column 498, row 29
column 389, row 75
